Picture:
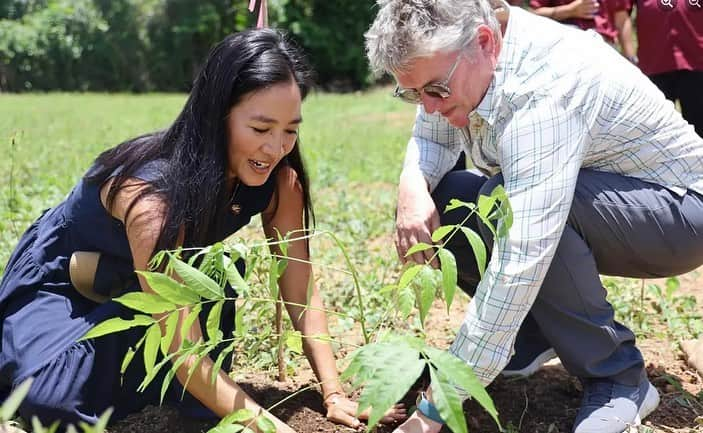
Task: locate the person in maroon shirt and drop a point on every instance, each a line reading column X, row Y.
column 610, row 18
column 670, row 34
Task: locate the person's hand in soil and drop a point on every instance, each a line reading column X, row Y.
column 418, row 423
column 342, row 410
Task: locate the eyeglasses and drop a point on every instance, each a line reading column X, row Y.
column 436, row 89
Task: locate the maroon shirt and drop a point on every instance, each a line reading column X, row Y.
column 603, row 22
column 670, row 38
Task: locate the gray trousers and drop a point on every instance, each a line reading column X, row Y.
column 618, row 226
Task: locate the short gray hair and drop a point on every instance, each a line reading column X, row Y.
column 409, row 29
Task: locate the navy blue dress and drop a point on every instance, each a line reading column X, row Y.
column 43, row 315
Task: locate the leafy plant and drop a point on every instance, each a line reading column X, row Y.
column 200, row 279
column 375, row 365
column 13, row 401
column 649, row 307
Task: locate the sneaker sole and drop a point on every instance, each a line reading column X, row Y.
column 532, row 367
column 651, row 401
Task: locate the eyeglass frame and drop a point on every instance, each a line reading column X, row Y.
column 433, row 89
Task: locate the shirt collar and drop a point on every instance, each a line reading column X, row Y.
column 488, row 107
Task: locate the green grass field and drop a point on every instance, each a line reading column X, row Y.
column 49, row 140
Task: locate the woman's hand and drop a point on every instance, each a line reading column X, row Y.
column 584, row 9
column 342, row 410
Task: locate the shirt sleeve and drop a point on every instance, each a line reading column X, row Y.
column 434, row 147
column 541, row 154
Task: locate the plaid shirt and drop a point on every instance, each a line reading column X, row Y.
column 560, row 99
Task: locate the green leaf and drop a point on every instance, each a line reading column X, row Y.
column 238, row 416
column 241, row 328
column 172, row 371
column 127, row 359
column 282, row 265
column 455, row 204
column 9, row 406
column 197, row 281
column 265, row 424
column 201, row 354
column 308, row 294
column 170, row 289
column 420, row 246
column 384, row 386
column 408, row 275
column 283, row 246
column 462, row 376
column 218, row 362
column 273, row 278
column 388, row 288
column 171, row 325
column 37, row 426
column 190, row 318
column 294, row 341
column 234, row 278
column 449, row 275
column 504, row 212
column 406, row 301
column 672, row 285
column 359, row 362
column 478, row 247
column 441, row 232
column 150, row 376
column 427, row 285
column 229, row 428
column 448, row 403
column 116, row 324
column 151, row 346
column 213, row 321
column 130, row 354
column 101, row 425
column 485, row 204
column 237, row 250
column 144, row 302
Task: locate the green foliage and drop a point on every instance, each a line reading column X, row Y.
column 375, row 366
column 332, row 34
column 45, row 49
column 650, row 309
column 423, row 280
column 160, row 44
column 111, row 44
column 13, row 401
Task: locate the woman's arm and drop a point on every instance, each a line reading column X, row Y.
column 285, row 215
column 143, row 225
column 584, row 9
column 623, row 23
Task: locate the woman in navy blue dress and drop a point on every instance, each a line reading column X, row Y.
column 231, row 153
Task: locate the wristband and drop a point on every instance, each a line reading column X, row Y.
column 425, row 407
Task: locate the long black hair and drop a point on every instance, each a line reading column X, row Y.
column 194, row 147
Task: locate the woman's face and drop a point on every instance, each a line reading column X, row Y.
column 262, row 129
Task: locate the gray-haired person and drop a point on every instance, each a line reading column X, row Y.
column 603, row 174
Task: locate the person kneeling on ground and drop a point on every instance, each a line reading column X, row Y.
column 602, row 173
column 232, row 153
